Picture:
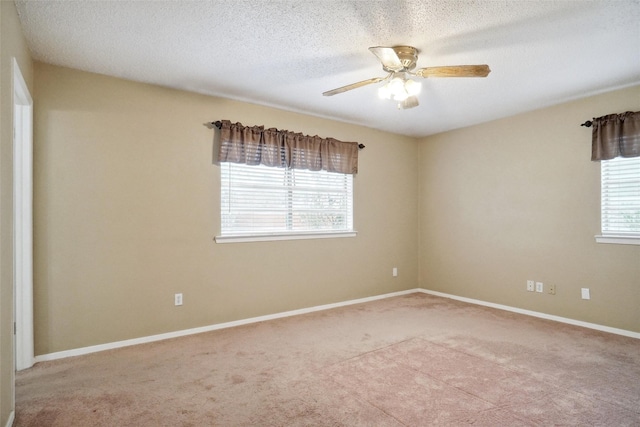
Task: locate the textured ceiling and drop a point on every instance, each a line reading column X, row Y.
column 286, row 53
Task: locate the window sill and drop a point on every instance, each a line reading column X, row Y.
column 619, row 240
column 283, row 236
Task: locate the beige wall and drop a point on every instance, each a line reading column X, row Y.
column 518, row 199
column 12, row 45
column 127, row 205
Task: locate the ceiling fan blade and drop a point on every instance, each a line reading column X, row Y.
column 388, row 57
column 455, row 71
column 354, row 86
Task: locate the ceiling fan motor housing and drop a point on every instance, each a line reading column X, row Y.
column 408, row 56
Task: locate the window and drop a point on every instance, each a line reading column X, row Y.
column 620, row 200
column 268, row 203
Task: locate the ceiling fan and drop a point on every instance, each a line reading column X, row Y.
column 399, row 62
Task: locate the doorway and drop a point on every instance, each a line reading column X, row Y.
column 22, row 220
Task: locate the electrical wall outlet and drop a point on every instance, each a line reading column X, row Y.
column 530, row 285
column 585, row 293
column 552, row 289
column 539, row 287
column 394, row 272
column 177, row 299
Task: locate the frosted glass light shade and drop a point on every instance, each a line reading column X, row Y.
column 412, row 87
column 399, row 88
column 383, row 92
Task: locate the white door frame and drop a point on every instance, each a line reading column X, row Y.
column 22, row 219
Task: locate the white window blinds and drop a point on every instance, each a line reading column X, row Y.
column 620, row 180
column 259, row 200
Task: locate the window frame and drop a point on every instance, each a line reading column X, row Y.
column 259, row 236
column 612, row 237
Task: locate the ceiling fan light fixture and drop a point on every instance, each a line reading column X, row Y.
column 410, row 102
column 383, row 92
column 399, row 88
column 400, row 96
column 396, row 85
column 412, row 87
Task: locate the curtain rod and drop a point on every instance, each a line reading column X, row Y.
column 587, row 124
column 218, row 124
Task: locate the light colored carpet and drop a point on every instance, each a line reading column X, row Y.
column 414, row 360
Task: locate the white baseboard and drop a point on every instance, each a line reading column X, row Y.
column 536, row 314
column 185, row 332
column 12, row 417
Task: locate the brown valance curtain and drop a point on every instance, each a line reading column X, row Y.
column 255, row 145
column 616, row 135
